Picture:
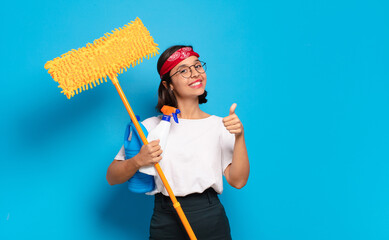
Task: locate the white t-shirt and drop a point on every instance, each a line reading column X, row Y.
column 196, row 154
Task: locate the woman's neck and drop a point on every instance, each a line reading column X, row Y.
column 190, row 109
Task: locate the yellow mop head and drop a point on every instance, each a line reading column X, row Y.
column 107, row 56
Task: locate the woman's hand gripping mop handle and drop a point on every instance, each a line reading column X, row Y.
column 176, row 204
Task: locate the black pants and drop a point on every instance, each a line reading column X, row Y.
column 205, row 213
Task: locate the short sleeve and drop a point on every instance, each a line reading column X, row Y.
column 149, row 123
column 227, row 141
column 121, row 154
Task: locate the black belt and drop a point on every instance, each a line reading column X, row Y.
column 190, row 202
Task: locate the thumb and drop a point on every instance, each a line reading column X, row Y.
column 232, row 108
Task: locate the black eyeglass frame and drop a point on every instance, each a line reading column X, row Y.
column 203, row 65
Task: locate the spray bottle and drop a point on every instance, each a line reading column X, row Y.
column 161, row 132
column 139, row 182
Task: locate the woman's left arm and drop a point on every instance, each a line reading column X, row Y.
column 237, row 173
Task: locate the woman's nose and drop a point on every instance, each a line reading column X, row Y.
column 193, row 71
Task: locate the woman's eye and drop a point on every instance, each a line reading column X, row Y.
column 184, row 70
column 198, row 65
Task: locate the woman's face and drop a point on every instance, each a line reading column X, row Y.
column 190, row 87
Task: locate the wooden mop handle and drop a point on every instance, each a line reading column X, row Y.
column 176, row 204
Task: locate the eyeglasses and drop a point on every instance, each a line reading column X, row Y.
column 186, row 71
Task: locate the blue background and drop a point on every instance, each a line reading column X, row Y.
column 310, row 79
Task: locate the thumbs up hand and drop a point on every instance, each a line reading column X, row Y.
column 232, row 122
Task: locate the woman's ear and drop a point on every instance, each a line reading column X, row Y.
column 166, row 86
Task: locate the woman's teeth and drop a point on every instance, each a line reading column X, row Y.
column 195, row 84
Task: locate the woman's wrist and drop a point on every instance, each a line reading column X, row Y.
column 239, row 137
column 134, row 162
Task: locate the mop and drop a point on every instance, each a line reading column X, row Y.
column 77, row 70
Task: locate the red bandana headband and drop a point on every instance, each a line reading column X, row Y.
column 176, row 58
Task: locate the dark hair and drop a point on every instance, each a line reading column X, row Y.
column 166, row 95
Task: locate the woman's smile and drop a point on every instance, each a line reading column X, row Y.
column 196, row 84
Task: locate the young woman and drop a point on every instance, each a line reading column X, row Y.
column 200, row 149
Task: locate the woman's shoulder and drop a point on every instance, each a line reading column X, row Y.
column 219, row 124
column 207, row 116
column 215, row 118
column 151, row 122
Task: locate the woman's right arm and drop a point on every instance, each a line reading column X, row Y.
column 120, row 171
